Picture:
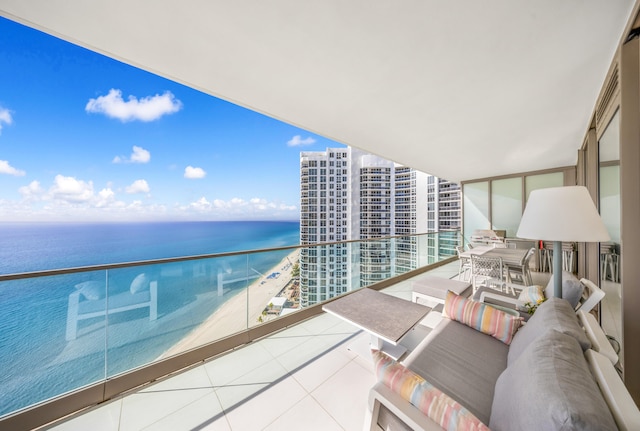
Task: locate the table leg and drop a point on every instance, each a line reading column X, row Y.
column 394, row 352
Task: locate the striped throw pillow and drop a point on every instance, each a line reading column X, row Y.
column 431, row 401
column 532, row 294
column 481, row 317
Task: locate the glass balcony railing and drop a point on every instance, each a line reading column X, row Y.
column 64, row 330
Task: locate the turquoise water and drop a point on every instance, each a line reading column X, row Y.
column 37, row 360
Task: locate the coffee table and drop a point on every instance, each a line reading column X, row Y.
column 385, row 317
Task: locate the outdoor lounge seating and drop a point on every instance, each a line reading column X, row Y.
column 581, row 294
column 89, row 301
column 506, row 386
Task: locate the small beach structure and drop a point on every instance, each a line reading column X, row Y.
column 276, row 304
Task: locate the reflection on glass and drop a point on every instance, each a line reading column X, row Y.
column 543, row 181
column 59, row 333
column 506, row 204
column 609, row 180
column 476, row 207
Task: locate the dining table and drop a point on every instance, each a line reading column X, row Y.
column 510, row 256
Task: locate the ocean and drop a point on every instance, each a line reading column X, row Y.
column 37, row 360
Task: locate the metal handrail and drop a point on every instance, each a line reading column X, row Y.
column 108, row 266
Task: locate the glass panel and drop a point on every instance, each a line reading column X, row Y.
column 274, row 292
column 476, row 207
column 506, row 205
column 609, row 181
column 39, row 357
column 543, row 181
column 88, row 326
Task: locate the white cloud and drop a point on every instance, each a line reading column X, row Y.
column 139, row 155
column 194, row 173
column 201, row 204
column 5, row 117
column 146, row 109
column 297, row 141
column 6, row 168
column 138, row 186
column 31, row 192
column 71, row 190
column 238, row 208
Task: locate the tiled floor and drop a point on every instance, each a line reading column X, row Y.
column 305, row 377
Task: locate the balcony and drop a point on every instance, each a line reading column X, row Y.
column 101, row 331
column 286, row 380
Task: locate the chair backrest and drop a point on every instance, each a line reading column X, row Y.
column 489, row 267
column 527, row 257
column 459, row 249
column 591, row 296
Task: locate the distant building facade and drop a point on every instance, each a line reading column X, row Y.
column 347, row 194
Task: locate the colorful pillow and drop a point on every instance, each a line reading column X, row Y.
column 431, row 401
column 481, row 317
column 532, row 294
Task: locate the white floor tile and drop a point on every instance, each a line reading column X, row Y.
column 103, row 418
column 239, row 391
column 203, row 414
column 307, row 415
column 235, row 364
column 157, row 401
column 321, row 369
column 344, row 395
column 282, row 342
column 265, row 407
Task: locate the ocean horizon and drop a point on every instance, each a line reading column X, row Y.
column 38, row 246
column 39, row 363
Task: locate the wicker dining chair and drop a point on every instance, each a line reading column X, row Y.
column 487, row 271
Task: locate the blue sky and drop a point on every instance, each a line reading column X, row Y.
column 87, row 138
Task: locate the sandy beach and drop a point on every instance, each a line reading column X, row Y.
column 231, row 316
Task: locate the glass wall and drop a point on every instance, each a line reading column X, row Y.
column 499, row 203
column 476, row 207
column 543, row 181
column 609, row 195
column 506, row 205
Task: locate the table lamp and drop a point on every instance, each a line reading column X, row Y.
column 561, row 214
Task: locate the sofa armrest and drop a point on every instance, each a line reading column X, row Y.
column 413, row 418
column 597, row 337
column 623, row 408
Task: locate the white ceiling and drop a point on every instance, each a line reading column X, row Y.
column 461, row 89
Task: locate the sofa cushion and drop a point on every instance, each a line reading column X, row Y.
column 462, row 362
column 553, row 314
column 549, row 387
column 431, row 401
column 481, row 317
column 532, row 294
column 571, row 288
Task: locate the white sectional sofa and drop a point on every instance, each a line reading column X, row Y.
column 548, row 378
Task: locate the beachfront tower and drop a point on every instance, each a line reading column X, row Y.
column 444, row 213
column 347, row 194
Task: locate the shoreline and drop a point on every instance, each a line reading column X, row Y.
column 224, row 321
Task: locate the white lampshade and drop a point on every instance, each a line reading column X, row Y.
column 562, row 214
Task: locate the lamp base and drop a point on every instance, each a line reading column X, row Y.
column 557, row 269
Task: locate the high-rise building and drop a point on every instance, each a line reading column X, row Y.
column 347, row 194
column 444, row 214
